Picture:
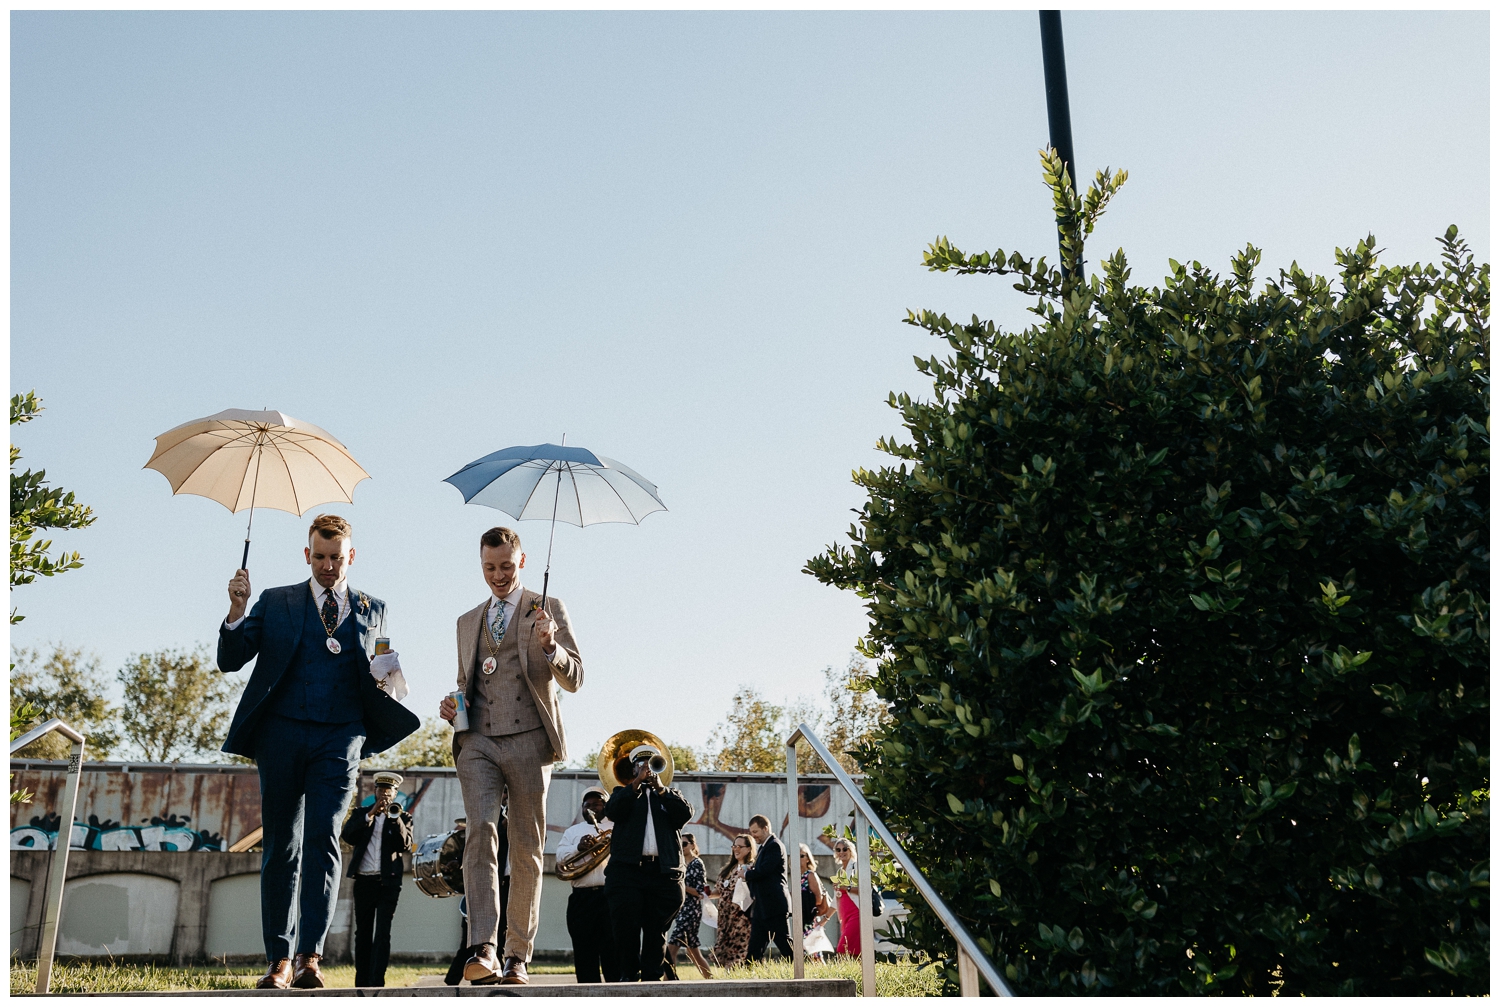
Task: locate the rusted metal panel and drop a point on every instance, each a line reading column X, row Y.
column 123, row 806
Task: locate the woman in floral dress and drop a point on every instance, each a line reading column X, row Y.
column 690, row 916
column 733, row 943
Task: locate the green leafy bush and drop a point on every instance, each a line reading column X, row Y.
column 1179, row 598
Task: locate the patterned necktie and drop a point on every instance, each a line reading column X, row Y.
column 497, row 628
column 330, row 612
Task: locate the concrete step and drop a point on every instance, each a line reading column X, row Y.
column 698, row 988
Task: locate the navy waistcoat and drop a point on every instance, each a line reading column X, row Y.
column 321, row 686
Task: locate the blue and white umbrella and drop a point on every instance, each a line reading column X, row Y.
column 586, row 488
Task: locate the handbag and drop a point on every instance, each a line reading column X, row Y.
column 710, row 913
column 742, row 896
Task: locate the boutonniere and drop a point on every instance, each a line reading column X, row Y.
column 364, row 603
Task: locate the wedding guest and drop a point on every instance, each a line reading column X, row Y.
column 690, row 916
column 733, row 942
column 848, row 904
column 816, row 909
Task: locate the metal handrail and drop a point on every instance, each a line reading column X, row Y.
column 972, row 961
column 52, row 907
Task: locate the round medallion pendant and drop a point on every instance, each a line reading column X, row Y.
column 333, row 646
column 489, row 665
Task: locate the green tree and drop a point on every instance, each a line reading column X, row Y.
column 752, row 737
column 176, row 706
column 429, row 745
column 65, row 682
column 684, row 757
column 35, row 506
column 853, row 714
column 1180, row 599
column 23, row 718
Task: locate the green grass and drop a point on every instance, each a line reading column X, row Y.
column 112, row 978
column 905, row 978
column 902, row 978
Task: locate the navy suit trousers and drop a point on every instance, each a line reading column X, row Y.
column 308, row 772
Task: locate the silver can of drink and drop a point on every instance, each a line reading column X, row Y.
column 461, row 718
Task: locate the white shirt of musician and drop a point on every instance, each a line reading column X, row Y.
column 340, row 597
column 648, row 846
column 568, row 845
column 370, row 862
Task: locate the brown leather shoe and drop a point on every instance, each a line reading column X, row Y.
column 515, row 972
column 306, row 975
column 483, row 968
column 278, row 975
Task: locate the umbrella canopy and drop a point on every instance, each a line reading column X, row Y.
column 257, row 458
column 583, row 488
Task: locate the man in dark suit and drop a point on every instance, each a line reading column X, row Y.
column 767, row 881
column 643, row 881
column 379, row 836
column 311, row 711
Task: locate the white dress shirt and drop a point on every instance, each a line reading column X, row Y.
column 568, row 845
column 648, row 845
column 511, row 602
column 340, row 597
column 370, row 862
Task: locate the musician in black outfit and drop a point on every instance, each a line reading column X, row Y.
column 379, row 835
column 643, row 881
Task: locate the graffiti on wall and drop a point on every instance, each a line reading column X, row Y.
column 126, row 807
column 171, row 833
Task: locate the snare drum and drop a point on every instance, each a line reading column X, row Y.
column 439, row 865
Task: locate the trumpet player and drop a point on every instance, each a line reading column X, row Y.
column 594, row 958
column 643, row 881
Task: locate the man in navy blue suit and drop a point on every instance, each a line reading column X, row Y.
column 311, row 710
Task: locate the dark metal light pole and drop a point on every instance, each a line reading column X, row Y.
column 1055, row 71
column 1059, row 121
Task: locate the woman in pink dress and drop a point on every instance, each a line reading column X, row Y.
column 843, row 852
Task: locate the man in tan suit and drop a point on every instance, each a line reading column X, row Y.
column 511, row 658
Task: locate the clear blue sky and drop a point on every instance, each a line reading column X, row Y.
column 686, row 240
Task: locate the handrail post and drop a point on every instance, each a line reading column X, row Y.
column 794, row 873
column 961, row 936
column 968, row 974
column 58, row 874
column 866, row 904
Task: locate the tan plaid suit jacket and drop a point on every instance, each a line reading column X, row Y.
column 542, row 676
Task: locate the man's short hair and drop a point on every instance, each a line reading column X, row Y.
column 497, row 538
column 762, row 821
column 330, row 526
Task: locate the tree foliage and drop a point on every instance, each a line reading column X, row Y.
column 176, row 705
column 65, row 682
column 34, row 507
column 429, row 745
column 752, row 736
column 1180, row 599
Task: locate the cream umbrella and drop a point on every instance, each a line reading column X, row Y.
column 245, row 458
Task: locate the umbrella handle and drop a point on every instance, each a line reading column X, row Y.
column 543, row 603
column 245, row 560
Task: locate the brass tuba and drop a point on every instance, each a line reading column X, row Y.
column 614, row 763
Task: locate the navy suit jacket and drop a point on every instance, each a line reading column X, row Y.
column 270, row 634
column 767, row 881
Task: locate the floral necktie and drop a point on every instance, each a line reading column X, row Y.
column 497, row 628
column 330, row 613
